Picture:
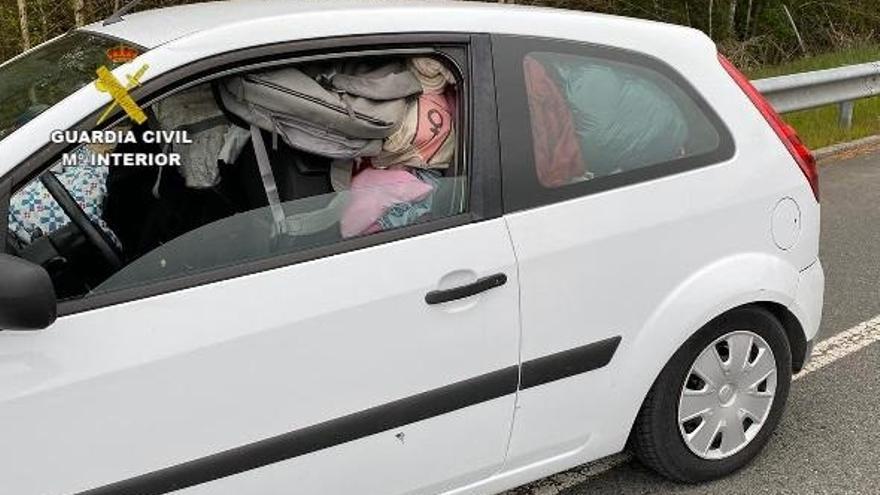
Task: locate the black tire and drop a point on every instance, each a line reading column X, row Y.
column 656, row 438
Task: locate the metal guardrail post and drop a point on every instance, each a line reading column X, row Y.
column 846, row 114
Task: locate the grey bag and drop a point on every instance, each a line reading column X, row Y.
column 381, row 82
column 346, row 115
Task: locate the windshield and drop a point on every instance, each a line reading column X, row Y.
column 32, row 83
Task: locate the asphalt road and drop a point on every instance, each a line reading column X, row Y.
column 829, row 439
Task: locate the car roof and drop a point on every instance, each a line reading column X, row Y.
column 153, row 28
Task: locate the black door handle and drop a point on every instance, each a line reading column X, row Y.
column 463, row 291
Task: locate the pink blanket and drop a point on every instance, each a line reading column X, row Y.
column 373, row 191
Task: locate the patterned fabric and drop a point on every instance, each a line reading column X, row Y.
column 196, row 111
column 426, row 137
column 408, row 213
column 33, row 212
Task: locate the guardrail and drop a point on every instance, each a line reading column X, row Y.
column 841, row 86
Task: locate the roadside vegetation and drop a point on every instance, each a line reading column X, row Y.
column 818, row 127
column 751, row 33
column 858, row 54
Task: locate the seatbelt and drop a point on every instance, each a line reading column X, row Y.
column 300, row 224
column 153, row 125
column 268, row 178
column 318, row 220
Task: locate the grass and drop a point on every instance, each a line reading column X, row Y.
column 851, row 56
column 818, row 127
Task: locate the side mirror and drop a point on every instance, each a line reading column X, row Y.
column 27, row 297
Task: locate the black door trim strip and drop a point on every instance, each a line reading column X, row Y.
column 568, row 363
column 371, row 421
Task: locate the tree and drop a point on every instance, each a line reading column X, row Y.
column 711, row 8
column 44, row 21
column 731, row 20
column 747, row 31
column 23, row 22
column 78, row 13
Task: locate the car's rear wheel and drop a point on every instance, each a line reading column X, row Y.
column 718, row 400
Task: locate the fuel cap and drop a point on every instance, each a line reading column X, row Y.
column 786, row 223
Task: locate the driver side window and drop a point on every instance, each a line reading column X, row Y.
column 39, row 227
column 247, row 168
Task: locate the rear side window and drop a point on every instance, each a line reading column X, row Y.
column 598, row 118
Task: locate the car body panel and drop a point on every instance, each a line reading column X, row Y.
column 605, row 268
column 170, row 379
column 157, row 27
column 807, row 305
column 651, row 262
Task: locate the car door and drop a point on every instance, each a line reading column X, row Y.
column 384, row 364
column 596, row 187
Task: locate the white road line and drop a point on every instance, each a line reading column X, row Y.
column 842, row 345
column 555, row 483
column 826, row 352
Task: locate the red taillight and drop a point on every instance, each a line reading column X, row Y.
column 786, row 133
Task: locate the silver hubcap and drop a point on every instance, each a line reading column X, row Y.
column 727, row 395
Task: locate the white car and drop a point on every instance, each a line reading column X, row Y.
column 578, row 234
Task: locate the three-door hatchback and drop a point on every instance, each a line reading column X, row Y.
column 272, row 247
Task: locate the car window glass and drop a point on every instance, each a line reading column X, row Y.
column 33, row 82
column 593, row 117
column 246, row 168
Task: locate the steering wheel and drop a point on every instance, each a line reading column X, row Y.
column 82, row 222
